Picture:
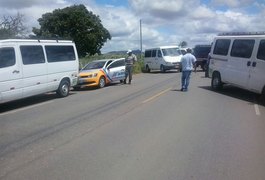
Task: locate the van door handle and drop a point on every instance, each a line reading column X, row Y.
column 249, row 63
column 15, row 71
column 254, row 64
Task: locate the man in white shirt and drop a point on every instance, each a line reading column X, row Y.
column 129, row 61
column 187, row 64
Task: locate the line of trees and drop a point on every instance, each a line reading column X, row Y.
column 75, row 23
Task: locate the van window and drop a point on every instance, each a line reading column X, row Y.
column 154, row 53
column 221, row 47
column 159, row 53
column 171, row 52
column 7, row 57
column 147, row 53
column 242, row 48
column 261, row 51
column 32, row 54
column 60, row 53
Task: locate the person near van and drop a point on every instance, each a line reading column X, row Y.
column 129, row 61
column 187, row 64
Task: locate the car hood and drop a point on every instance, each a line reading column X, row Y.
column 89, row 71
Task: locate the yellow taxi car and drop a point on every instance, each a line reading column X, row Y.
column 99, row 73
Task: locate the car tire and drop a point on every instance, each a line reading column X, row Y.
column 216, row 83
column 102, row 82
column 63, row 89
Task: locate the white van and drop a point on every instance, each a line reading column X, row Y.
column 238, row 59
column 31, row 67
column 162, row 58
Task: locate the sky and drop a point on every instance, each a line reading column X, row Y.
column 163, row 22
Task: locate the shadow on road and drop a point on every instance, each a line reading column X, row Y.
column 22, row 103
column 238, row 93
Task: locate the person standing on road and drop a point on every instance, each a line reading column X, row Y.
column 129, row 61
column 187, row 64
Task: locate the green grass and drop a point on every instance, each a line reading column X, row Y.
column 138, row 66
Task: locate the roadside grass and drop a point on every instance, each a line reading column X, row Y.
column 138, row 66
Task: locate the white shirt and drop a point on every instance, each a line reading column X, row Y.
column 187, row 62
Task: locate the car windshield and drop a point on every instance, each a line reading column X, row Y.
column 171, row 52
column 94, row 65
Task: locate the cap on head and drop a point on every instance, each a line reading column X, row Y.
column 129, row 51
column 189, row 50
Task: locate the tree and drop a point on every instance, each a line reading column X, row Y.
column 12, row 26
column 183, row 44
column 76, row 23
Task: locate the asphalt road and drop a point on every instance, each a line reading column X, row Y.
column 145, row 131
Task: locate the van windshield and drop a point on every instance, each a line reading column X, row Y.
column 171, row 52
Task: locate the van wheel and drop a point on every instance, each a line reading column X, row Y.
column 102, row 82
column 216, row 83
column 63, row 89
column 204, row 66
column 262, row 97
column 147, row 68
column 162, row 69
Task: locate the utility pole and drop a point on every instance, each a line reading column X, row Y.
column 141, row 40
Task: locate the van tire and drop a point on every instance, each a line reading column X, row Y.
column 262, row 97
column 147, row 69
column 102, row 82
column 162, row 68
column 216, row 83
column 63, row 89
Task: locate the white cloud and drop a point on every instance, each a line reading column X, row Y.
column 164, row 23
column 232, row 3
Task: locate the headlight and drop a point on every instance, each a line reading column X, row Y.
column 95, row 74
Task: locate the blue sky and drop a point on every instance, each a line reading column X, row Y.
column 164, row 22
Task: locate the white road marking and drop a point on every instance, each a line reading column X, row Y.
column 257, row 109
column 25, row 108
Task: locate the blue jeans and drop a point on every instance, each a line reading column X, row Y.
column 185, row 79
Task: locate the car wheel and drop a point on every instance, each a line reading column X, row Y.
column 147, row 68
column 102, row 82
column 216, row 83
column 63, row 89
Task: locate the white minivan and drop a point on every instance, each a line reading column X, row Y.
column 238, row 59
column 162, row 58
column 31, row 67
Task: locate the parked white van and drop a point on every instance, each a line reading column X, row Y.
column 238, row 59
column 31, row 67
column 162, row 58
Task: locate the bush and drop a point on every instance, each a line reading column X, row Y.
column 138, row 66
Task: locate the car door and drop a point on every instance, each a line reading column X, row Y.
column 116, row 70
column 257, row 69
column 10, row 74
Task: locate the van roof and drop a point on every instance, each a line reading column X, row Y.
column 34, row 41
column 163, row 47
column 242, row 34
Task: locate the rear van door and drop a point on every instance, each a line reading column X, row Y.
column 10, row 74
column 257, row 68
column 34, row 70
column 238, row 66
